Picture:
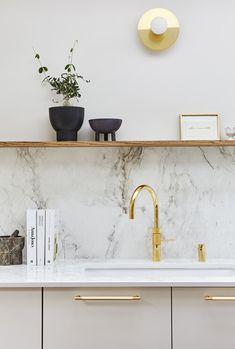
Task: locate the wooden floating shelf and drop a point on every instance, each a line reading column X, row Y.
column 94, row 144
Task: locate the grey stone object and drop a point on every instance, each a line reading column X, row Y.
column 11, row 247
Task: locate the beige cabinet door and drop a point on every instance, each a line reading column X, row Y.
column 20, row 318
column 107, row 324
column 200, row 323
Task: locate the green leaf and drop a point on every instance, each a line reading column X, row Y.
column 37, row 56
column 71, row 50
column 45, row 68
column 67, row 66
column 40, row 70
column 69, row 69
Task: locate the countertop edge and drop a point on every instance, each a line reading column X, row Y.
column 117, row 284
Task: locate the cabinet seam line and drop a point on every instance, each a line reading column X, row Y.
column 172, row 345
column 42, row 307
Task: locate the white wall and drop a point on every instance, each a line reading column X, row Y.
column 148, row 89
column 92, row 187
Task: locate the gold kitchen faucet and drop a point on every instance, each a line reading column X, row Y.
column 156, row 235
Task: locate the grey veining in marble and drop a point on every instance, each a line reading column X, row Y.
column 91, row 189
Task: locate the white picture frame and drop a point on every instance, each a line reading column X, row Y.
column 199, row 127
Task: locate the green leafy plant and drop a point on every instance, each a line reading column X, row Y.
column 67, row 84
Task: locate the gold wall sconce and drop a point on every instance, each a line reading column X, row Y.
column 158, row 29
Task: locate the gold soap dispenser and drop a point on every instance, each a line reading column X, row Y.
column 201, row 253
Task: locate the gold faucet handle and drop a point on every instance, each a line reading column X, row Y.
column 168, row 240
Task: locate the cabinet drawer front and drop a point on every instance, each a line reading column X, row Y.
column 203, row 318
column 107, row 318
column 20, row 318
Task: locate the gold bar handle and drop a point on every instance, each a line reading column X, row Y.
column 107, row 298
column 220, row 298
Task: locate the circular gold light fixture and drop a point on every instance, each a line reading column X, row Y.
column 158, row 29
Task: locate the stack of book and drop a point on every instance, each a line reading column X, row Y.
column 41, row 236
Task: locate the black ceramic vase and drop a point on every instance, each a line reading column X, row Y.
column 66, row 121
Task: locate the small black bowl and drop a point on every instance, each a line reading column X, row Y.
column 105, row 126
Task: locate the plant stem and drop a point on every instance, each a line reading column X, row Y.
column 40, row 63
column 71, row 53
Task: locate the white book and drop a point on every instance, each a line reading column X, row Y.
column 50, row 236
column 41, row 228
column 31, row 226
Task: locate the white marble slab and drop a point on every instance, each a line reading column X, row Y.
column 92, row 187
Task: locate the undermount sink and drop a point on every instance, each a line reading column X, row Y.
column 173, row 270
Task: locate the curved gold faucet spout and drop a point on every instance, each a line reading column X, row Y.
column 154, row 198
column 156, row 238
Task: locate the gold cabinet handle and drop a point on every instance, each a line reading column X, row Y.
column 220, row 298
column 107, row 298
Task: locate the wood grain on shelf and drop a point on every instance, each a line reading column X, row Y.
column 173, row 143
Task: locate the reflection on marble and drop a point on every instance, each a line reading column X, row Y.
column 92, row 187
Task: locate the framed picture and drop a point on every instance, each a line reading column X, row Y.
column 202, row 127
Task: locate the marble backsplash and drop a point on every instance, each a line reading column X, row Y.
column 91, row 188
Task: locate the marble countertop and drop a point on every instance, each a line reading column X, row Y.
column 120, row 273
